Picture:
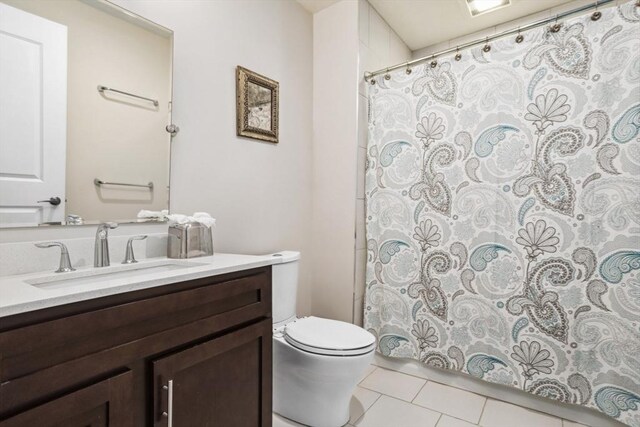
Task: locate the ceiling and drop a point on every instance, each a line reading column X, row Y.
column 422, row 23
column 314, row 6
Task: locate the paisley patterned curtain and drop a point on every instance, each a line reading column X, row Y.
column 503, row 213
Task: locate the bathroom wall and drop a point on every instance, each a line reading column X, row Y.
column 379, row 46
column 335, row 66
column 107, row 50
column 428, row 50
column 259, row 192
column 349, row 38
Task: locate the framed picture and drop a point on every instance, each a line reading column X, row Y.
column 257, row 106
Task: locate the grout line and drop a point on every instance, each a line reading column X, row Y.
column 483, row 408
column 414, row 397
column 368, row 375
column 458, row 418
column 400, row 372
column 366, row 410
column 438, row 420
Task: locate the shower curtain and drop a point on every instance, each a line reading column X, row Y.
column 503, row 212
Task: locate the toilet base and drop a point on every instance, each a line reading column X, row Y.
column 314, row 389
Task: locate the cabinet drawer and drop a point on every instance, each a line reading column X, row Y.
column 31, row 348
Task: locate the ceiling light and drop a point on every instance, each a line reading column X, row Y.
column 476, row 7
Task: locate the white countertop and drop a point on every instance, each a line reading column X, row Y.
column 21, row 293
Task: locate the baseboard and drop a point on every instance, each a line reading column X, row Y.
column 578, row 414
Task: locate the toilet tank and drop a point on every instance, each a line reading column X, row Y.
column 284, row 286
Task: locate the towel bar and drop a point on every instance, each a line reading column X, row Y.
column 100, row 182
column 101, row 89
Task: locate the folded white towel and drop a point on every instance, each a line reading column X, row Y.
column 153, row 214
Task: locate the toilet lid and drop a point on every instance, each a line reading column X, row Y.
column 329, row 337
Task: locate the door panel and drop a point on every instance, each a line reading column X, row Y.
column 223, row 382
column 33, row 117
column 106, row 403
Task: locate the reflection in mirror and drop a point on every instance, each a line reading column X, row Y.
column 259, row 106
column 86, row 96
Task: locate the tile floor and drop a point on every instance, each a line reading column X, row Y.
column 386, row 398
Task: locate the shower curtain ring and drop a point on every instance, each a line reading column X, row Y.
column 596, row 15
column 408, row 70
column 486, row 47
column 369, row 78
column 387, row 76
column 434, row 62
column 555, row 27
column 519, row 37
column 458, row 56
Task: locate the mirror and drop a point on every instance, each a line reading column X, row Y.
column 259, row 106
column 86, row 97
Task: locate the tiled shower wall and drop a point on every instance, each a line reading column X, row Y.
column 379, row 47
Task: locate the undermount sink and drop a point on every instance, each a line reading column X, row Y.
column 97, row 277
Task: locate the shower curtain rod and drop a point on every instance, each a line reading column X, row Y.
column 595, row 5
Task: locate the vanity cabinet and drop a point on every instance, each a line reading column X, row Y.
column 194, row 353
column 218, row 380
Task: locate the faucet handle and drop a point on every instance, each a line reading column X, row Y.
column 130, row 257
column 65, row 262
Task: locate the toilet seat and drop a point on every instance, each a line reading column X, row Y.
column 328, row 337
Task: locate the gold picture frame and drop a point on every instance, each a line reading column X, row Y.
column 257, row 106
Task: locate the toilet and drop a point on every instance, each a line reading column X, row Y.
column 316, row 362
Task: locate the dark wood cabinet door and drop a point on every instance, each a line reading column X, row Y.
column 220, row 383
column 106, row 403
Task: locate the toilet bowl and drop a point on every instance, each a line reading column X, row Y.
column 317, row 362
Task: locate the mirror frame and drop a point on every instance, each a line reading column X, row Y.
column 243, row 78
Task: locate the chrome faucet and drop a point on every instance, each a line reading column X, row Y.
column 65, row 262
column 101, row 249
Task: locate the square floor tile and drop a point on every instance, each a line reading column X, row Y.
column 447, row 421
column 390, row 412
column 394, row 384
column 451, row 401
column 279, row 421
column 361, row 401
column 502, row 414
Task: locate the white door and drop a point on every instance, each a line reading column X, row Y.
column 33, row 118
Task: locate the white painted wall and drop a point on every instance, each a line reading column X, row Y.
column 111, row 140
column 259, row 192
column 379, row 46
column 349, row 38
column 335, row 130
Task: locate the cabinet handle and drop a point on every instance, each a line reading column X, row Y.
column 169, row 412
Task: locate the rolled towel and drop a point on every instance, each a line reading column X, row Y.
column 201, row 217
column 204, row 219
column 178, row 219
column 153, row 214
